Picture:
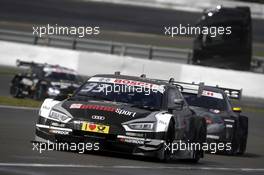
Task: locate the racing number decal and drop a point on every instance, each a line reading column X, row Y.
column 91, row 127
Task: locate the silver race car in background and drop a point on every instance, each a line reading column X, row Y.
column 44, row 80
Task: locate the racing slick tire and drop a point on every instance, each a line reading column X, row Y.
column 197, row 135
column 169, row 138
column 15, row 91
column 243, row 132
column 40, row 92
column 238, row 142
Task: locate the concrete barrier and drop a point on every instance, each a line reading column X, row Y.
column 88, row 63
column 10, row 52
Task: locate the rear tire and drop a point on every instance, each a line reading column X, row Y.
column 39, row 93
column 197, row 135
column 243, row 130
column 15, row 91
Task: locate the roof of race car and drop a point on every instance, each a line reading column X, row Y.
column 134, row 78
column 57, row 68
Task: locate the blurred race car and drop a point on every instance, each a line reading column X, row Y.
column 224, row 122
column 128, row 114
column 44, row 80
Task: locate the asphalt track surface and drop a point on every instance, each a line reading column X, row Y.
column 107, row 16
column 18, row 157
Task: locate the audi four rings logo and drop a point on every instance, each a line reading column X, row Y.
column 97, row 117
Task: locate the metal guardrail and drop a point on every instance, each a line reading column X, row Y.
column 116, row 48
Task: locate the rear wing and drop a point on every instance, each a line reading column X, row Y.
column 232, row 93
column 20, row 63
column 198, row 89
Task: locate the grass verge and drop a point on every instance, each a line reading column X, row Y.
column 252, row 109
column 19, row 102
column 6, row 70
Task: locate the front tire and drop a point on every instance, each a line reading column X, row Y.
column 169, row 138
column 243, row 131
column 40, row 92
column 15, row 90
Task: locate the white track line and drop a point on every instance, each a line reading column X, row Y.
column 130, row 167
column 17, row 107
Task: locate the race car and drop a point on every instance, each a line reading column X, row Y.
column 224, row 122
column 127, row 114
column 43, row 80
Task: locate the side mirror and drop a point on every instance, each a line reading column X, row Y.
column 237, row 109
column 177, row 104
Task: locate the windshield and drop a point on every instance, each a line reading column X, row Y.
column 134, row 95
column 61, row 76
column 205, row 102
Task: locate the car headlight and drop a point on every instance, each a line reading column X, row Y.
column 53, row 91
column 141, row 126
column 59, row 116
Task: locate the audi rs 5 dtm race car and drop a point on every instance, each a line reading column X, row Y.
column 128, row 114
column 44, row 80
column 224, row 122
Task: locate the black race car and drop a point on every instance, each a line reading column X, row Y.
column 128, row 114
column 224, row 122
column 44, row 80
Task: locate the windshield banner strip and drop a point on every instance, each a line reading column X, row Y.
column 127, row 82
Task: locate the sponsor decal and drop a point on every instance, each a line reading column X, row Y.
column 104, row 108
column 133, row 83
column 75, row 106
column 212, row 94
column 229, row 126
column 125, row 112
column 216, row 111
column 45, row 107
column 58, row 124
column 212, row 136
column 127, row 83
column 97, row 117
column 92, row 127
column 59, row 132
column 95, row 107
column 133, row 140
column 134, row 134
column 162, row 122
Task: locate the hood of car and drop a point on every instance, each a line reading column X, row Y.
column 104, row 112
column 212, row 116
column 63, row 84
column 208, row 112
